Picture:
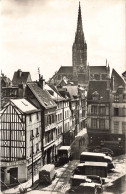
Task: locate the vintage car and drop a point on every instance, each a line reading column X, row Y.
column 85, row 188
column 98, row 182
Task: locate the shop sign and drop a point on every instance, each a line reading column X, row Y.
column 13, row 163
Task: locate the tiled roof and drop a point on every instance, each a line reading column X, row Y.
column 41, row 95
column 98, row 69
column 24, row 78
column 66, row 69
column 100, row 87
column 54, row 95
column 24, row 105
column 118, row 81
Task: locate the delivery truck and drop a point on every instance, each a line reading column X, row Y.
column 92, row 168
column 47, row 173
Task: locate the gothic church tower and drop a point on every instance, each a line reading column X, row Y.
column 79, row 54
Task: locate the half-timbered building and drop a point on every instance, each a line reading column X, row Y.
column 20, row 141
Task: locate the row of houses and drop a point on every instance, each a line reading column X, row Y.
column 36, row 119
column 106, row 111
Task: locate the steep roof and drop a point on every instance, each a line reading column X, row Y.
column 73, row 90
column 41, row 95
column 24, row 105
column 54, row 95
column 98, row 69
column 24, row 77
column 118, row 81
column 66, row 69
column 101, row 88
column 5, row 80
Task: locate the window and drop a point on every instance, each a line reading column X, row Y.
column 30, row 118
column 116, row 111
column 124, row 127
column 102, row 123
column 102, row 110
column 94, row 123
column 94, row 109
column 50, row 119
column 96, row 76
column 116, row 126
column 124, row 96
column 31, row 151
column 37, row 132
column 37, row 147
column 65, row 114
column 37, row 115
column 116, row 98
column 31, row 135
column 60, row 116
column 123, row 111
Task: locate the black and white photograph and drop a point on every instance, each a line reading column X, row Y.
column 63, row 97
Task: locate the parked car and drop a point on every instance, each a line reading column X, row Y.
column 105, row 150
column 75, row 180
column 98, row 182
column 85, row 188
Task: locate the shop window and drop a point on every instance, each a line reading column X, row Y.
column 116, row 126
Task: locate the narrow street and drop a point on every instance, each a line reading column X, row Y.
column 115, row 182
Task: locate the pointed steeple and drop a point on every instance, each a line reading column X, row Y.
column 79, row 12
column 79, row 52
column 79, row 32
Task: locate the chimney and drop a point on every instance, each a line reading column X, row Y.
column 21, row 90
column 41, row 81
column 19, row 72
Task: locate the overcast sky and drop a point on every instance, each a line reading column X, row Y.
column 40, row 33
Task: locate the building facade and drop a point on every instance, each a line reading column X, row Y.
column 19, row 121
column 98, row 102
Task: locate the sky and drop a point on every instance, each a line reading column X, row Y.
column 40, row 33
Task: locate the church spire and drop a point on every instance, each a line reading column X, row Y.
column 79, row 32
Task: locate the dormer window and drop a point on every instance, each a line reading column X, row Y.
column 95, row 95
